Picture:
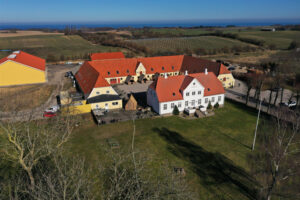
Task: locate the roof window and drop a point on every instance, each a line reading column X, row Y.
column 163, row 68
column 151, row 69
column 173, row 93
column 127, row 71
column 108, row 73
column 117, row 72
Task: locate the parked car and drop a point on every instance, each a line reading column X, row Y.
column 292, row 103
column 49, row 114
column 52, row 109
column 69, row 74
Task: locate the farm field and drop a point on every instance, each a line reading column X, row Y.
column 27, row 97
column 191, row 43
column 57, row 45
column 4, row 33
column 281, row 39
column 213, row 151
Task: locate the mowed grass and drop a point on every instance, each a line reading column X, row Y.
column 213, row 151
column 192, row 43
column 27, row 97
column 57, row 45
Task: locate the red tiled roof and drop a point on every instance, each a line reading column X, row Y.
column 210, row 82
column 224, row 70
column 198, row 65
column 104, row 56
column 26, row 59
column 170, row 89
column 88, row 78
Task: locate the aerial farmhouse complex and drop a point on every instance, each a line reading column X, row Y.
column 96, row 77
column 187, row 92
column 21, row 68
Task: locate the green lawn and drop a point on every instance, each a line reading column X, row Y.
column 42, row 45
column 192, row 43
column 281, row 39
column 212, row 150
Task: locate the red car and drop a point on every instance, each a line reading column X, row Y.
column 49, row 114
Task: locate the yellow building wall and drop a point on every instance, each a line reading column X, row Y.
column 229, row 80
column 78, row 107
column 107, row 104
column 102, row 90
column 12, row 73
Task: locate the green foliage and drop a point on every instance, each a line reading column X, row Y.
column 209, row 106
column 216, row 105
column 175, row 110
column 294, row 45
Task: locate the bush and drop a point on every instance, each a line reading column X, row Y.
column 216, row 105
column 209, row 106
column 175, row 111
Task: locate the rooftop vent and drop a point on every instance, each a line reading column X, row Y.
column 16, row 52
column 206, row 71
column 12, row 56
column 166, row 75
column 186, row 73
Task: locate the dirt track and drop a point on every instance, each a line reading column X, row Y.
column 5, row 33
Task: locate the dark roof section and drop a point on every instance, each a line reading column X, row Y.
column 103, row 98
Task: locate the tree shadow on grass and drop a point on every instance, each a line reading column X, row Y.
column 214, row 170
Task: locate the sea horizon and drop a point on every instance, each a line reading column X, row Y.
column 141, row 24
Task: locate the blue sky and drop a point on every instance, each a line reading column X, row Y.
column 144, row 10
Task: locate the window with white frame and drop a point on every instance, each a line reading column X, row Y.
column 213, row 99
column 193, row 103
column 179, row 104
column 219, row 98
column 187, row 94
column 199, row 101
column 107, row 91
column 206, row 100
column 186, row 103
column 165, row 106
column 199, row 92
column 97, row 92
column 172, row 105
column 193, row 93
column 115, row 103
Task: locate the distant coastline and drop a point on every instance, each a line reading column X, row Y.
column 160, row 24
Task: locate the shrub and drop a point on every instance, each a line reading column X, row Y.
column 209, row 106
column 216, row 105
column 175, row 111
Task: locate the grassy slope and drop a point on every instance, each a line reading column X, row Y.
column 57, row 45
column 205, row 42
column 281, row 39
column 212, row 150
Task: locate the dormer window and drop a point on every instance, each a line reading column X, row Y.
column 117, row 72
column 163, row 68
column 108, row 73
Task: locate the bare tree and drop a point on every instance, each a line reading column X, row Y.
column 31, row 141
column 64, row 178
column 276, row 161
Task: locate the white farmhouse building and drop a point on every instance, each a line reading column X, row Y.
column 188, row 92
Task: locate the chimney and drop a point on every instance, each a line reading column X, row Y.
column 166, row 75
column 206, row 71
column 186, row 73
